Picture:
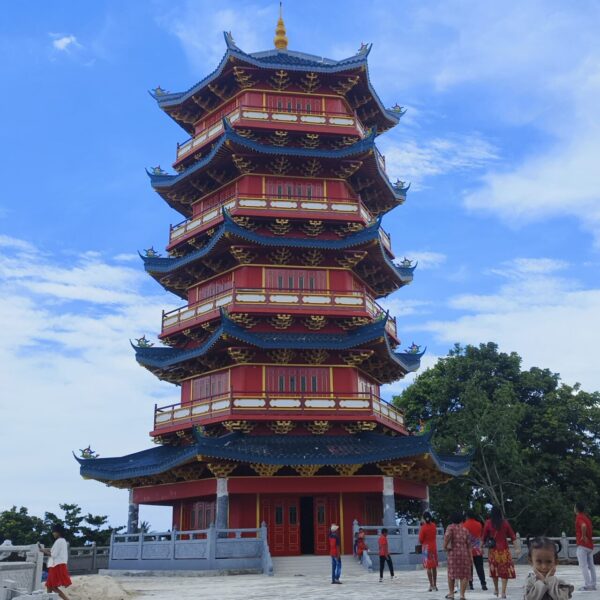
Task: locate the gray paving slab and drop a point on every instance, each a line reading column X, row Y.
column 408, row 585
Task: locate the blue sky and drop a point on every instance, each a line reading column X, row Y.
column 500, row 141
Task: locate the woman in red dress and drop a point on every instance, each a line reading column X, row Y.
column 457, row 543
column 427, row 539
column 495, row 533
column 58, row 574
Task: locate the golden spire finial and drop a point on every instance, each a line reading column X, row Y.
column 281, row 41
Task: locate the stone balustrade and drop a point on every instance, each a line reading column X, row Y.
column 22, row 577
column 200, row 550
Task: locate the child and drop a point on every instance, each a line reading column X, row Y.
column 543, row 584
column 361, row 544
column 58, row 574
column 384, row 555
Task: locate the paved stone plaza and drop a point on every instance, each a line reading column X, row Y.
column 408, row 585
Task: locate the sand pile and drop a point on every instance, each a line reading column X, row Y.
column 96, row 587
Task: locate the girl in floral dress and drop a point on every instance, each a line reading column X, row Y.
column 457, row 544
column 427, row 539
column 495, row 533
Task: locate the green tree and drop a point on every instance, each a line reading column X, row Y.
column 535, row 441
column 17, row 525
column 20, row 527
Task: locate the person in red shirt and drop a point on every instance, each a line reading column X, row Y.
column 428, row 541
column 585, row 547
column 335, row 553
column 475, row 528
column 495, row 533
column 384, row 555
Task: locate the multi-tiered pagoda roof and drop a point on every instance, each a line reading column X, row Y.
column 281, row 349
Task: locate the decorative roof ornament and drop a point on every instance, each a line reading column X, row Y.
column 88, row 453
column 151, row 253
column 364, row 48
column 401, row 186
column 280, row 40
column 406, row 262
column 229, row 40
column 158, row 91
column 158, row 170
column 143, row 342
column 398, row 109
column 413, row 349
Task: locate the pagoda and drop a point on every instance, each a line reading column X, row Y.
column 281, row 347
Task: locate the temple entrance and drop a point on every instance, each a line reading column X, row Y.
column 299, row 524
column 307, row 525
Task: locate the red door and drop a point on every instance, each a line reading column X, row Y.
column 326, row 513
column 282, row 516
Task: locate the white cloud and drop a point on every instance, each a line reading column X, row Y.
column 401, row 307
column 547, row 318
column 416, row 161
column 426, row 259
column 64, row 43
column 200, row 28
column 69, row 376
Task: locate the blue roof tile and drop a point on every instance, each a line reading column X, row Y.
column 285, row 450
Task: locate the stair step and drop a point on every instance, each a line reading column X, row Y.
column 291, row 566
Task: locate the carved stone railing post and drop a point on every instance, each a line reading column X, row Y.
column 140, row 546
column 267, row 561
column 94, row 557
column 564, row 551
column 211, row 546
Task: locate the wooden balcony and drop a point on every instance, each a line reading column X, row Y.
column 248, row 116
column 271, row 206
column 269, row 406
column 325, row 302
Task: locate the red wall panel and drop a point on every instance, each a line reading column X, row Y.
column 242, row 511
column 157, row 494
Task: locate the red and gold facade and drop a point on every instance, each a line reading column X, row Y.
column 281, row 348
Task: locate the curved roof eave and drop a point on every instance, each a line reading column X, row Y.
column 321, row 65
column 167, row 357
column 229, row 134
column 273, row 449
column 167, row 265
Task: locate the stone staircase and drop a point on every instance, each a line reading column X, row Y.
column 317, row 567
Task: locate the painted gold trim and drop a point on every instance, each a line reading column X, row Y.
column 342, row 522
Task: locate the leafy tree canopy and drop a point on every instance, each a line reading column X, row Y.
column 536, row 441
column 17, row 525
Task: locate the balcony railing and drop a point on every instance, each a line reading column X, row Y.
column 300, row 407
column 270, row 115
column 265, row 298
column 282, row 204
column 380, row 159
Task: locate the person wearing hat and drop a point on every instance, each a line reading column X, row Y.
column 58, row 574
column 335, row 553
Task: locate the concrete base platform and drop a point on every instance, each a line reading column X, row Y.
column 157, row 573
column 357, row 585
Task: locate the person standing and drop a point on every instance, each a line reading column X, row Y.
column 58, row 573
column 475, row 528
column 495, row 533
column 457, row 545
column 585, row 547
column 335, row 553
column 384, row 555
column 361, row 544
column 428, row 541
